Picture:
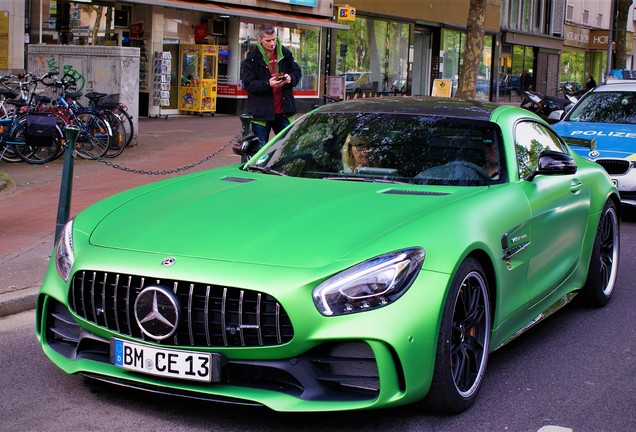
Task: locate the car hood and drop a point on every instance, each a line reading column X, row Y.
column 264, row 219
column 612, row 140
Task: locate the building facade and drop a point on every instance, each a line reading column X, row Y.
column 396, row 47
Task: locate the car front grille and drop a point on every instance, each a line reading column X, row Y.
column 212, row 316
column 614, row 166
column 333, row 371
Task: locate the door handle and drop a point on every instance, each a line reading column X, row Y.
column 576, row 185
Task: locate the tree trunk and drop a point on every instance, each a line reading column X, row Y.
column 467, row 85
column 95, row 31
column 621, row 33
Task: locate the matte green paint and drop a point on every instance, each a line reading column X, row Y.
column 284, row 235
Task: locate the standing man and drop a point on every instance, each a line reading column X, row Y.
column 269, row 73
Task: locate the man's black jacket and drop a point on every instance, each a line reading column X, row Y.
column 255, row 76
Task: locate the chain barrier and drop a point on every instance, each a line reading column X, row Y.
column 175, row 170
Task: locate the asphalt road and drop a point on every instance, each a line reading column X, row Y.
column 576, row 370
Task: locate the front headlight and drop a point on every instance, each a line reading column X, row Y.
column 64, row 254
column 370, row 284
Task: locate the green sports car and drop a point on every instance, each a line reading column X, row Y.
column 371, row 255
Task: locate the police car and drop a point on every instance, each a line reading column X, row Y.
column 606, row 117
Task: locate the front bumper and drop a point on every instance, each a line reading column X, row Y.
column 623, row 175
column 365, row 360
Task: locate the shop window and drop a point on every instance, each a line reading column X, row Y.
column 377, row 50
column 453, row 46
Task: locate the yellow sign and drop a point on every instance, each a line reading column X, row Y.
column 346, row 13
column 442, row 87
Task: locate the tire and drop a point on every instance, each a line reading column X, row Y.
column 127, row 121
column 463, row 343
column 94, row 136
column 31, row 153
column 601, row 275
column 8, row 153
column 119, row 138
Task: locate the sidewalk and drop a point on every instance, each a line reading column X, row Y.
column 29, row 202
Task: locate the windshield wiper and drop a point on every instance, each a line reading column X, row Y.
column 266, row 170
column 364, row 179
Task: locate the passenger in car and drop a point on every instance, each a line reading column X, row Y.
column 356, row 153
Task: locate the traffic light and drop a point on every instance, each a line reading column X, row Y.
column 343, row 50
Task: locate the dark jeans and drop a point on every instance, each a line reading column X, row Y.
column 278, row 124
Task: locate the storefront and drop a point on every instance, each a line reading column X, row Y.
column 529, row 62
column 373, row 55
column 159, row 28
column 234, row 30
column 583, row 56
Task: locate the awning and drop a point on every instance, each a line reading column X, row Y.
column 271, row 16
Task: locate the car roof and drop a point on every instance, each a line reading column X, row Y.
column 418, row 105
column 616, row 85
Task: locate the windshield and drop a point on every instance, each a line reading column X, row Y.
column 387, row 148
column 606, row 107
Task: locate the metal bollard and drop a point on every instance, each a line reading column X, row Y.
column 246, row 125
column 64, row 205
column 246, row 122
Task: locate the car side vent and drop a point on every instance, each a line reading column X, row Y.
column 412, row 192
column 238, row 179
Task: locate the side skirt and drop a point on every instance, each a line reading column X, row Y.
column 560, row 303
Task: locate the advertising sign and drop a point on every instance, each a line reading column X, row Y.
column 442, row 87
column 346, row 13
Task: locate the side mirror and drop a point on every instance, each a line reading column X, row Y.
column 247, row 147
column 554, row 163
column 555, row 116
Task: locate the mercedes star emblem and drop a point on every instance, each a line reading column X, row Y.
column 168, row 262
column 157, row 312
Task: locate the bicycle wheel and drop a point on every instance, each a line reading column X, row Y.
column 94, row 136
column 35, row 154
column 8, row 153
column 127, row 121
column 118, row 140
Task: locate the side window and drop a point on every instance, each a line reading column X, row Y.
column 532, row 138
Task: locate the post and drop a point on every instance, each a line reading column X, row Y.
column 64, row 205
column 246, row 124
column 246, row 127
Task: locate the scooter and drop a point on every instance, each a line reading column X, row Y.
column 544, row 106
column 557, row 115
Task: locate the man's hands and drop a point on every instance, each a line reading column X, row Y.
column 275, row 82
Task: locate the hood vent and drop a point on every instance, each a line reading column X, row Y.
column 412, row 192
column 238, row 179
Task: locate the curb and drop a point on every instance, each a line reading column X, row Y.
column 18, row 301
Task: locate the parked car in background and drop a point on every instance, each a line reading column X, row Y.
column 607, row 115
column 400, row 240
column 357, row 82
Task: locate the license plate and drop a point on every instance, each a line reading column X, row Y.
column 166, row 362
